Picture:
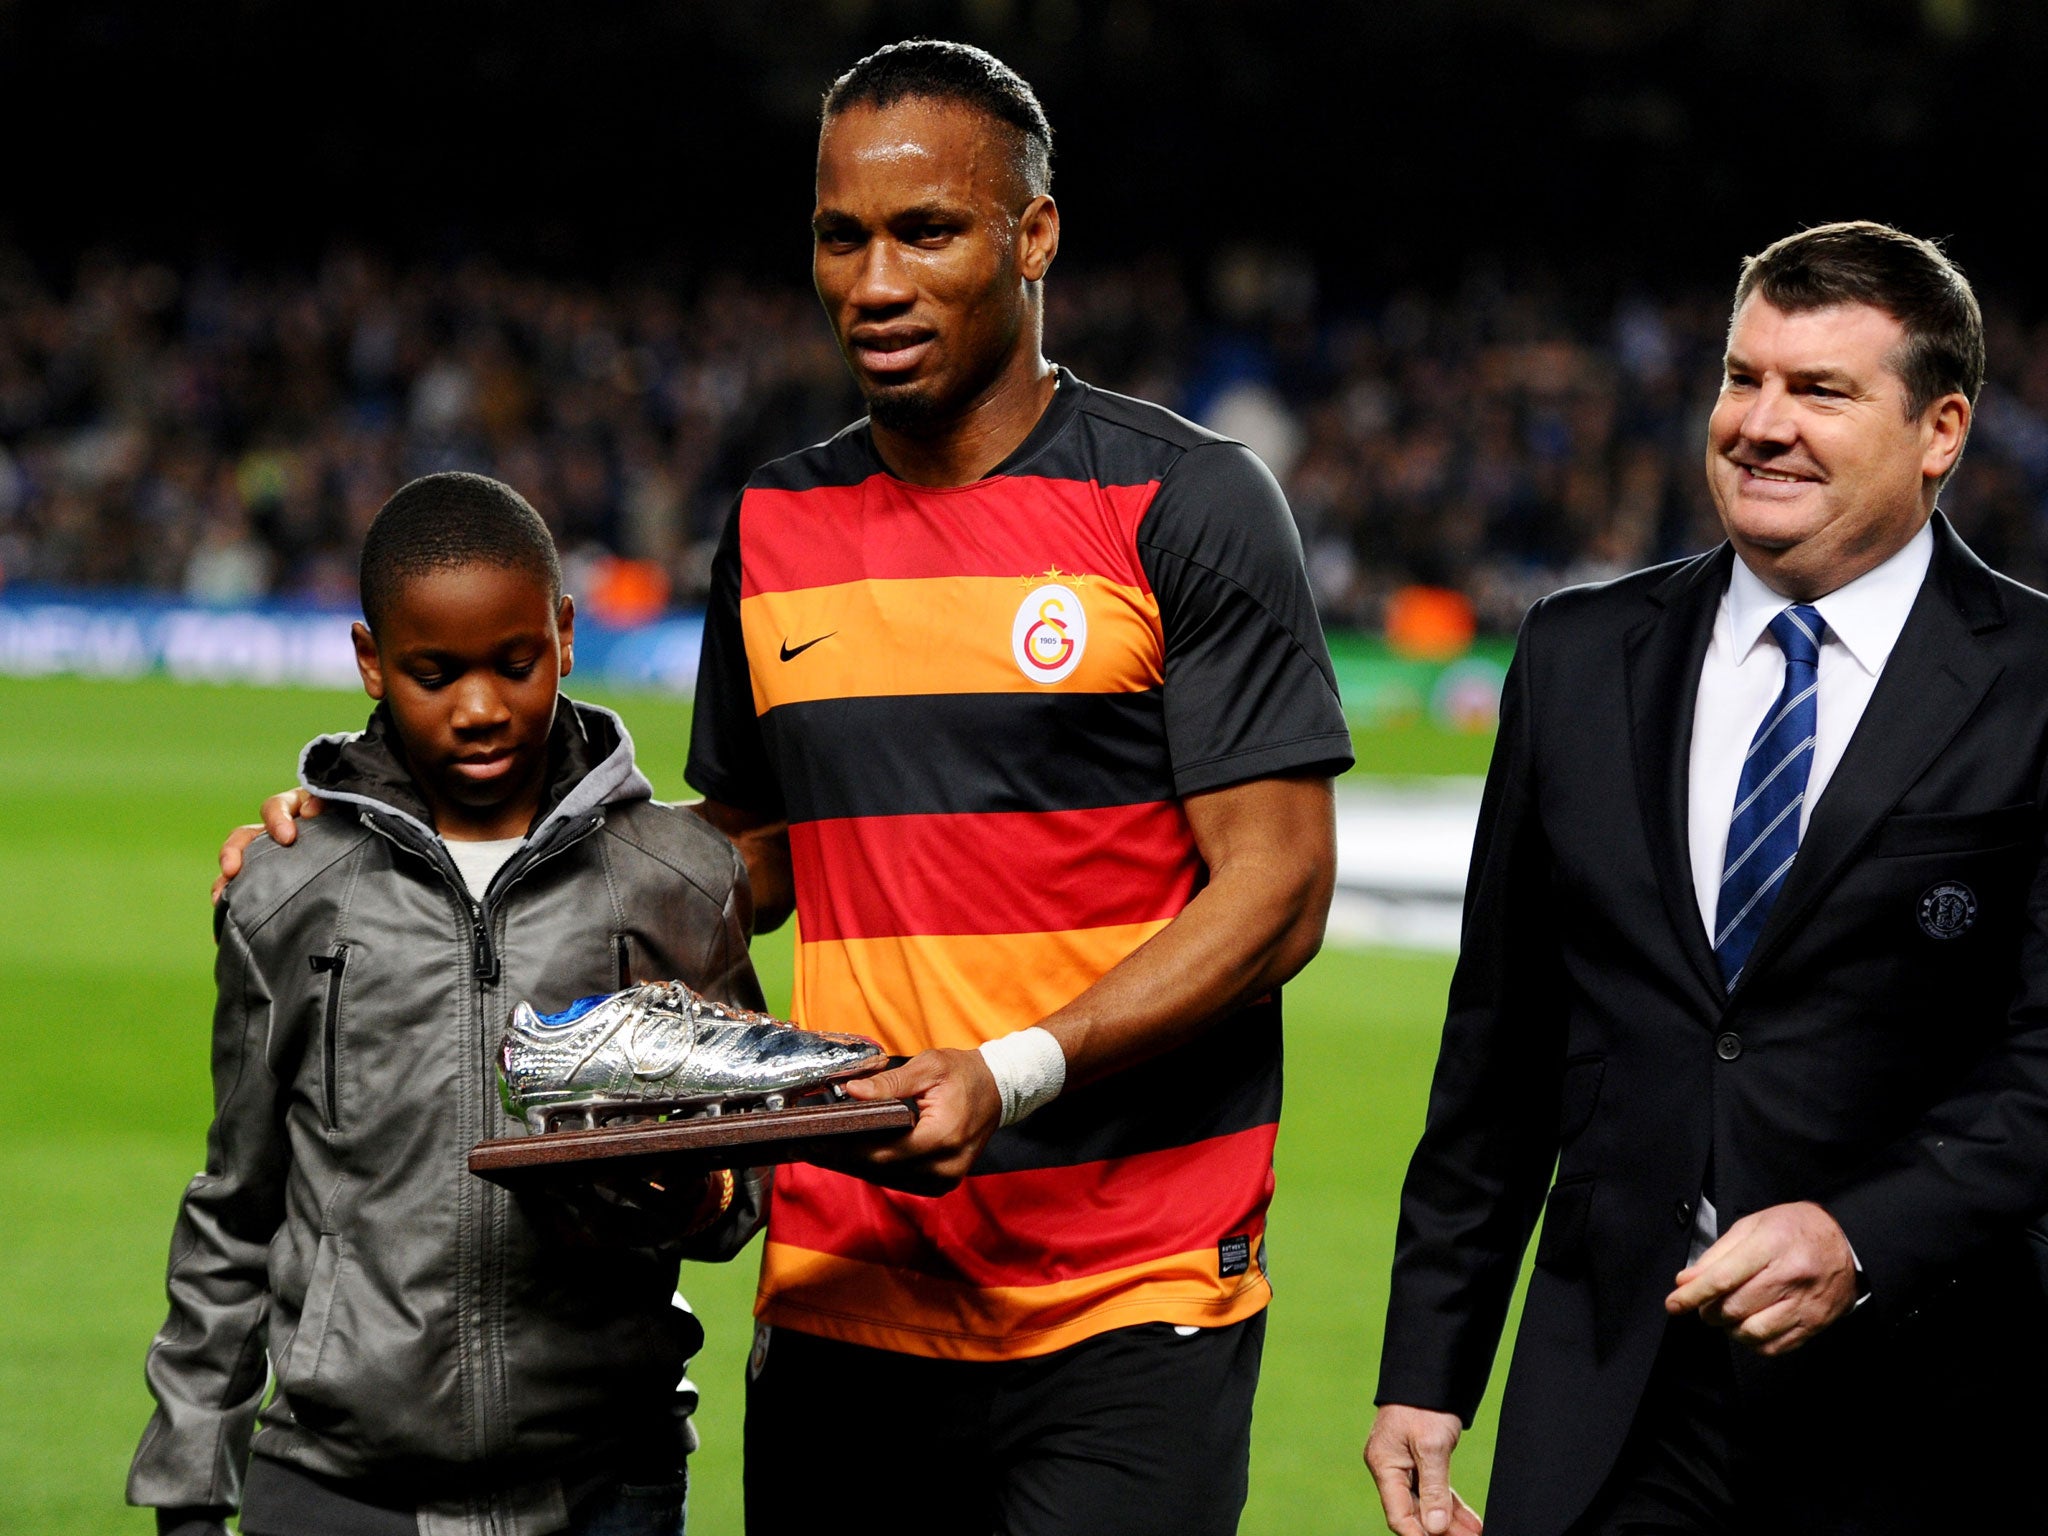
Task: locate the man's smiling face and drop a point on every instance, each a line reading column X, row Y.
column 1817, row 467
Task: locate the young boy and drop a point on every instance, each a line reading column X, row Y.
column 441, row 1363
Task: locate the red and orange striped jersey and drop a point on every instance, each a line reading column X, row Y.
column 979, row 709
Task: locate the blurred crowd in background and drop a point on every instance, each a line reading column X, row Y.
column 228, row 435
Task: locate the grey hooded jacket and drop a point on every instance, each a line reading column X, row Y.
column 421, row 1331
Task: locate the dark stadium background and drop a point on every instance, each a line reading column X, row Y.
column 1461, row 267
column 1474, row 252
column 1394, row 142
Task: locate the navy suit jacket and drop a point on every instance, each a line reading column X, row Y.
column 1885, row 1052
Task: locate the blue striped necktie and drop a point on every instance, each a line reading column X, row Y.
column 1763, row 834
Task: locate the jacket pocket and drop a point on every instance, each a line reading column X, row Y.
column 299, row 1364
column 1955, row 831
column 1566, row 1215
column 1579, row 1096
column 335, row 967
column 622, row 955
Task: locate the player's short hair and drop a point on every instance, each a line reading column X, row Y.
column 1910, row 279
column 925, row 69
column 442, row 522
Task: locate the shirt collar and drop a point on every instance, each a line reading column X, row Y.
column 1866, row 615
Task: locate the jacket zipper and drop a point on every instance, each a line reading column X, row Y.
column 332, row 965
column 484, row 961
column 484, row 953
column 484, row 956
column 490, row 1226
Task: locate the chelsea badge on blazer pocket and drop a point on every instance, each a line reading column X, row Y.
column 1947, row 910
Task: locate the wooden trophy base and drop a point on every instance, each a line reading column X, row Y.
column 751, row 1139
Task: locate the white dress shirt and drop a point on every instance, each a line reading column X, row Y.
column 1745, row 671
column 1739, row 682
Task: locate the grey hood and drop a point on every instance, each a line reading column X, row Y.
column 590, row 765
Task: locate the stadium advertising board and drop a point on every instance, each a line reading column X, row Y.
column 51, row 630
column 96, row 635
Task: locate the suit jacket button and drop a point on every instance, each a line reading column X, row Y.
column 1728, row 1046
column 1681, row 1214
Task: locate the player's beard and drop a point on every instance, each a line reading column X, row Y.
column 908, row 409
column 928, row 406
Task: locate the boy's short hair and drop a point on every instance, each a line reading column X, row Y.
column 440, row 522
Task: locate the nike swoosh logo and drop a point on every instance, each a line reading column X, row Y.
column 789, row 654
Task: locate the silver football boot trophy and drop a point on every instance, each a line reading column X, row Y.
column 659, row 1049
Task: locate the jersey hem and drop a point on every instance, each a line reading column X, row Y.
column 909, row 1339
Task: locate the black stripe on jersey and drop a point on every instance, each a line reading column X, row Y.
column 846, row 458
column 939, row 753
column 1224, row 1081
column 1085, row 434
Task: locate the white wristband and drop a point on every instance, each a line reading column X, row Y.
column 1030, row 1069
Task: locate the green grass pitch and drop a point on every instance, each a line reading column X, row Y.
column 113, row 797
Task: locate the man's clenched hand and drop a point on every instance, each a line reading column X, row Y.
column 1409, row 1452
column 1773, row 1280
column 280, row 813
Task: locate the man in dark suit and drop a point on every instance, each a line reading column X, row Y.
column 1756, row 960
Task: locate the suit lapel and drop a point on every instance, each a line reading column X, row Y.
column 1936, row 676
column 1663, row 659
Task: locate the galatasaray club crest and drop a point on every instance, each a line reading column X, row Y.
column 1049, row 633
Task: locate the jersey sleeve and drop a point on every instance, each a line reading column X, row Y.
column 729, row 759
column 1249, row 689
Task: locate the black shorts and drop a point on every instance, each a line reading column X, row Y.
column 1137, row 1432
